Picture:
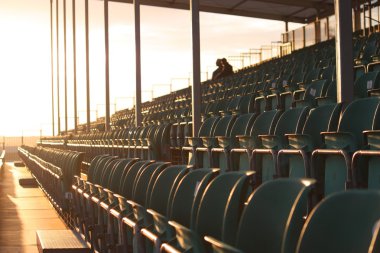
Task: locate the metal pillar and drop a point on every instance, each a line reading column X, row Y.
column 52, row 66
column 65, row 58
column 138, row 116
column 75, row 69
column 343, row 40
column 107, row 68
column 357, row 14
column 196, row 88
column 317, row 31
column 87, row 69
column 58, row 102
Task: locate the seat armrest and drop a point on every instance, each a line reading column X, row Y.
column 161, row 224
column 373, row 92
column 340, row 140
column 122, row 202
column 372, row 139
column 110, row 194
column 186, row 238
column 78, row 180
column 221, row 247
column 270, row 141
column 209, row 142
column 100, row 189
column 300, row 141
column 194, row 141
column 246, row 141
column 139, row 212
column 226, row 142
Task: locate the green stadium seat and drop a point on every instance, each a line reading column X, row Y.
column 297, row 154
column 222, row 128
column 217, row 215
column 272, row 219
column 366, row 83
column 343, row 222
column 331, row 166
column 264, row 156
column 206, row 129
column 308, row 96
column 221, row 154
column 263, row 124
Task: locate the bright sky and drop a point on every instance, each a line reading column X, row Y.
column 25, row 70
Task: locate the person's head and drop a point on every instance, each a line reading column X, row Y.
column 218, row 62
column 224, row 61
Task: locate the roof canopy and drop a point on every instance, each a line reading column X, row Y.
column 299, row 11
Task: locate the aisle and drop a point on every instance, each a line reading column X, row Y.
column 23, row 210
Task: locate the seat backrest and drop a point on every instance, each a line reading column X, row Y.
column 361, row 114
column 128, row 183
column 221, row 206
column 342, row 222
column 316, row 89
column 247, row 103
column 208, row 126
column 100, row 169
column 291, row 122
column 185, row 196
column 123, row 166
column 145, row 178
column 243, row 124
column 224, row 125
column 107, row 172
column 94, row 166
column 265, row 123
column 367, row 81
column 233, row 105
column 321, row 119
column 272, row 218
column 167, row 180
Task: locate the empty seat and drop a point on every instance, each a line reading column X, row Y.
column 221, row 154
column 343, row 222
column 297, row 154
column 271, row 221
column 217, row 215
column 264, row 156
column 331, row 166
column 263, row 124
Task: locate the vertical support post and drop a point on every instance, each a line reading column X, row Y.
column 294, row 40
column 364, row 21
column 357, row 16
column 343, row 40
column 317, row 31
column 65, row 58
column 286, row 31
column 58, row 102
column 328, row 28
column 304, row 36
column 87, row 68
column 138, row 116
column 370, row 17
column 107, row 67
column 196, row 86
column 52, row 67
column 75, row 69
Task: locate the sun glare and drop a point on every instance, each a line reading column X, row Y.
column 25, row 76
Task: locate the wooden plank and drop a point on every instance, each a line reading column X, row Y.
column 23, row 211
column 60, row 241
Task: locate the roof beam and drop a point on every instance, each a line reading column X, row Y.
column 299, row 3
column 220, row 10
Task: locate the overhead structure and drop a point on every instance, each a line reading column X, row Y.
column 298, row 11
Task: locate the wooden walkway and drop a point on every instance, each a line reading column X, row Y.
column 23, row 210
